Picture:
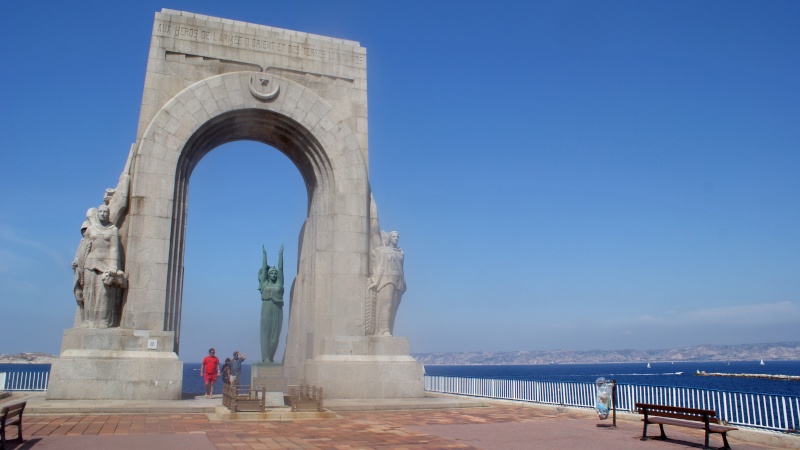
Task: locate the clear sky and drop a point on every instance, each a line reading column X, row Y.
column 563, row 175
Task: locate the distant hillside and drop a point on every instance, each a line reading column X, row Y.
column 27, row 358
column 744, row 352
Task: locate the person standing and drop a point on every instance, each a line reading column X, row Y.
column 210, row 370
column 236, row 367
column 226, row 372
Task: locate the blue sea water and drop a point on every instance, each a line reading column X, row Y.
column 679, row 374
column 192, row 381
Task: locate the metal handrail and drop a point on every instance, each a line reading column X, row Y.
column 24, row 381
column 767, row 411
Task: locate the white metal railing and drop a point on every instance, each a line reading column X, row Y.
column 774, row 412
column 24, row 381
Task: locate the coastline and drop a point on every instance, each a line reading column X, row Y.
column 576, row 363
column 27, row 358
column 765, row 376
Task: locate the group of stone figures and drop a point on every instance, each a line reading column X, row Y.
column 99, row 276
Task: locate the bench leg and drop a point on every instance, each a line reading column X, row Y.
column 705, row 447
column 725, row 440
column 663, row 435
column 4, row 442
column 644, row 433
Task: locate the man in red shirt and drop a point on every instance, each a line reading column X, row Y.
column 209, row 370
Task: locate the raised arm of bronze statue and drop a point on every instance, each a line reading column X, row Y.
column 262, row 273
column 280, row 268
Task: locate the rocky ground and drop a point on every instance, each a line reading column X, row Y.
column 27, row 358
column 745, row 352
column 781, row 351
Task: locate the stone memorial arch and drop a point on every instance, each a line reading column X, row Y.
column 212, row 81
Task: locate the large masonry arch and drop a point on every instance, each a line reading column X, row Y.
column 209, row 82
column 335, row 173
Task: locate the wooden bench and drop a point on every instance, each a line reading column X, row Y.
column 701, row 419
column 305, row 398
column 9, row 416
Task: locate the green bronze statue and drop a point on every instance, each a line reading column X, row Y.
column 270, row 283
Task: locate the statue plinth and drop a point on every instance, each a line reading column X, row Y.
column 367, row 367
column 269, row 375
column 116, row 363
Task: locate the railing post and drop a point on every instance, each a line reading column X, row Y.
column 724, row 411
column 785, row 418
column 768, row 411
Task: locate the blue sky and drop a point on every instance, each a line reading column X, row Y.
column 563, row 175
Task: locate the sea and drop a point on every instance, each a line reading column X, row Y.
column 673, row 374
column 677, row 374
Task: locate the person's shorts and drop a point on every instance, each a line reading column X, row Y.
column 210, row 377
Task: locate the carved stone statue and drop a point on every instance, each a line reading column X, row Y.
column 270, row 283
column 102, row 275
column 103, row 239
column 78, row 266
column 116, row 199
column 388, row 283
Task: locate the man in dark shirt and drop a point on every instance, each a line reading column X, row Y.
column 236, row 367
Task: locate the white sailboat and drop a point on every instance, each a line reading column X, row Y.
column 648, row 365
column 762, row 362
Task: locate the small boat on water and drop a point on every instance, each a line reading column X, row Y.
column 648, row 365
column 762, row 362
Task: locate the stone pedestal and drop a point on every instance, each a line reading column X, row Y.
column 366, row 367
column 114, row 363
column 270, row 376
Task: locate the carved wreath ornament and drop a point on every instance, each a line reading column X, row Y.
column 259, row 83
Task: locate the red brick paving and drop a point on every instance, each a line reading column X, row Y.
column 311, row 434
column 412, row 430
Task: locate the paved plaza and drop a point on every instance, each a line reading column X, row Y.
column 497, row 426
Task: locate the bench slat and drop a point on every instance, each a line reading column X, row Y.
column 688, row 417
column 678, row 409
column 681, row 423
column 12, row 409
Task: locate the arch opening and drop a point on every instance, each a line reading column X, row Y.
column 242, row 195
column 256, row 125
